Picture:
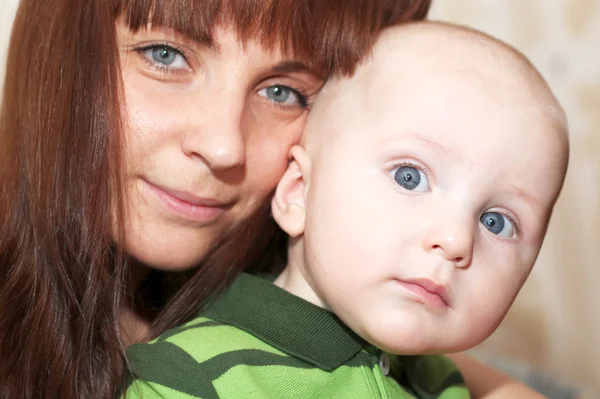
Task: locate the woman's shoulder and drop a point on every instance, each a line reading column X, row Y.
column 189, row 358
column 197, row 341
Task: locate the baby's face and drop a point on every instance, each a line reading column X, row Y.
column 428, row 199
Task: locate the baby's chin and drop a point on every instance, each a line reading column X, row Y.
column 410, row 337
column 418, row 345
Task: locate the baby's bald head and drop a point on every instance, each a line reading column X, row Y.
column 428, row 52
column 430, row 69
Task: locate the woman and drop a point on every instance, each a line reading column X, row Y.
column 135, row 135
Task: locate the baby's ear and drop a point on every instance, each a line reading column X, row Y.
column 288, row 204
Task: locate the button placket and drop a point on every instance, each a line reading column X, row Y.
column 384, row 364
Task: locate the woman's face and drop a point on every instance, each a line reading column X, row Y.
column 207, row 134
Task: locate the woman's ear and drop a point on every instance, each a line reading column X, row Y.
column 289, row 202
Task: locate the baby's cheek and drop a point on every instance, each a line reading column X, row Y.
column 485, row 309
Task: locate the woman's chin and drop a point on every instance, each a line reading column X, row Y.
column 167, row 255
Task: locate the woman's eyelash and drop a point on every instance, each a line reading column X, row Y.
column 303, row 98
column 141, row 50
column 169, row 46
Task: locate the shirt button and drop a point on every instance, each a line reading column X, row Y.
column 384, row 363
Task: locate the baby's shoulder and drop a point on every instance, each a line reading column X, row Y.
column 431, row 374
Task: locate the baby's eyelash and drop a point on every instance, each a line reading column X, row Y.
column 426, row 171
column 512, row 219
column 409, row 163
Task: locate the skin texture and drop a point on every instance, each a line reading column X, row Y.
column 475, row 122
column 207, row 137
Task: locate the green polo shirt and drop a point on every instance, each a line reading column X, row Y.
column 257, row 341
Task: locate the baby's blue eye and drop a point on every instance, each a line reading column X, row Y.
column 498, row 224
column 411, row 178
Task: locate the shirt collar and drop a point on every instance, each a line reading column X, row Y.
column 286, row 322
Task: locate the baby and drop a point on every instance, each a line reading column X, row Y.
column 416, row 206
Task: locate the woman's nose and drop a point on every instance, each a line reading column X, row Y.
column 217, row 136
column 453, row 239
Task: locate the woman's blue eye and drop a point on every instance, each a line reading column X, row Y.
column 283, row 95
column 411, row 178
column 498, row 224
column 164, row 57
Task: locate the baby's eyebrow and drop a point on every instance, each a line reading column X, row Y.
column 524, row 196
column 435, row 145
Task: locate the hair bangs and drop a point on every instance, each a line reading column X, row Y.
column 330, row 36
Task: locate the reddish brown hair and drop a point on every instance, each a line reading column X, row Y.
column 61, row 280
column 331, row 35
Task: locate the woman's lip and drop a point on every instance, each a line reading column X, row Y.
column 188, row 205
column 428, row 292
column 191, row 199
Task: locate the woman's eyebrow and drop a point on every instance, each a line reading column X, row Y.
column 295, row 66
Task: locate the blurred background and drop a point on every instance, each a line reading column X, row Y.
column 551, row 336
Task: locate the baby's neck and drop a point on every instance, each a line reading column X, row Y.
column 292, row 280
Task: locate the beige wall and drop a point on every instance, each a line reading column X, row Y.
column 555, row 322
column 7, row 12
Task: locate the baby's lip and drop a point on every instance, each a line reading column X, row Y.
column 430, row 287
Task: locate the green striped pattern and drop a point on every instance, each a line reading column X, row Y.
column 210, row 360
column 259, row 342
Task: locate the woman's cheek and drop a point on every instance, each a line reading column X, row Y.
column 268, row 153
